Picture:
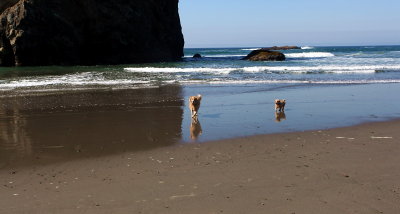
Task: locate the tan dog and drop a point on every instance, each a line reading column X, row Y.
column 194, row 104
column 280, row 104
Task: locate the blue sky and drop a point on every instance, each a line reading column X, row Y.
column 260, row 23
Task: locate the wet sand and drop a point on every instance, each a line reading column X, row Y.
column 344, row 170
column 44, row 128
column 130, row 151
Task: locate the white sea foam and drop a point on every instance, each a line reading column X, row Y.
column 328, row 69
column 186, row 75
column 82, row 79
column 180, row 70
column 63, row 84
column 250, row 49
column 309, row 55
column 351, row 71
column 38, row 83
column 238, row 82
column 307, row 47
column 282, row 69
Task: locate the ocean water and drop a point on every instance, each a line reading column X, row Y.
column 50, row 111
column 220, row 66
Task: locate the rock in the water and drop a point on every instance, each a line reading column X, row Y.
column 89, row 32
column 197, row 55
column 265, row 55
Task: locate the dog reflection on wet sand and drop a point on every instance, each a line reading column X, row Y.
column 195, row 129
column 279, row 116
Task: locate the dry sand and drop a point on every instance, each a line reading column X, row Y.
column 345, row 170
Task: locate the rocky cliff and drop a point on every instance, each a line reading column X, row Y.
column 89, row 32
column 4, row 4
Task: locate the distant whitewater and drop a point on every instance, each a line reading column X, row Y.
column 309, row 55
column 307, row 47
column 305, row 66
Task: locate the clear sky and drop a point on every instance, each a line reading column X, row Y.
column 261, row 23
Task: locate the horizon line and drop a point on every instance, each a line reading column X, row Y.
column 375, row 45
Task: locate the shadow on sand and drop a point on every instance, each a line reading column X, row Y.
column 45, row 128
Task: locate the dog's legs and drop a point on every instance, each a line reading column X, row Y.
column 193, row 113
column 194, row 121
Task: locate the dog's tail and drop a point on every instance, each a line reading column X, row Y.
column 199, row 96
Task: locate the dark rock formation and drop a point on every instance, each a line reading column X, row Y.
column 4, row 4
column 265, row 55
column 197, row 55
column 281, row 48
column 88, row 32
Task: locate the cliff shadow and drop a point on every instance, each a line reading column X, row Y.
column 64, row 126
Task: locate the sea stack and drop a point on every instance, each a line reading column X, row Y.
column 265, row 55
column 89, row 32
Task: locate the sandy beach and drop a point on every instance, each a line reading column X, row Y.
column 344, row 170
column 136, row 151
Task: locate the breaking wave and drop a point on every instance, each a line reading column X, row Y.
column 243, row 82
column 279, row 69
column 250, row 49
column 83, row 79
column 180, row 70
column 309, row 55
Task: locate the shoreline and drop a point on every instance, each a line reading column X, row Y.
column 342, row 170
column 37, row 130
